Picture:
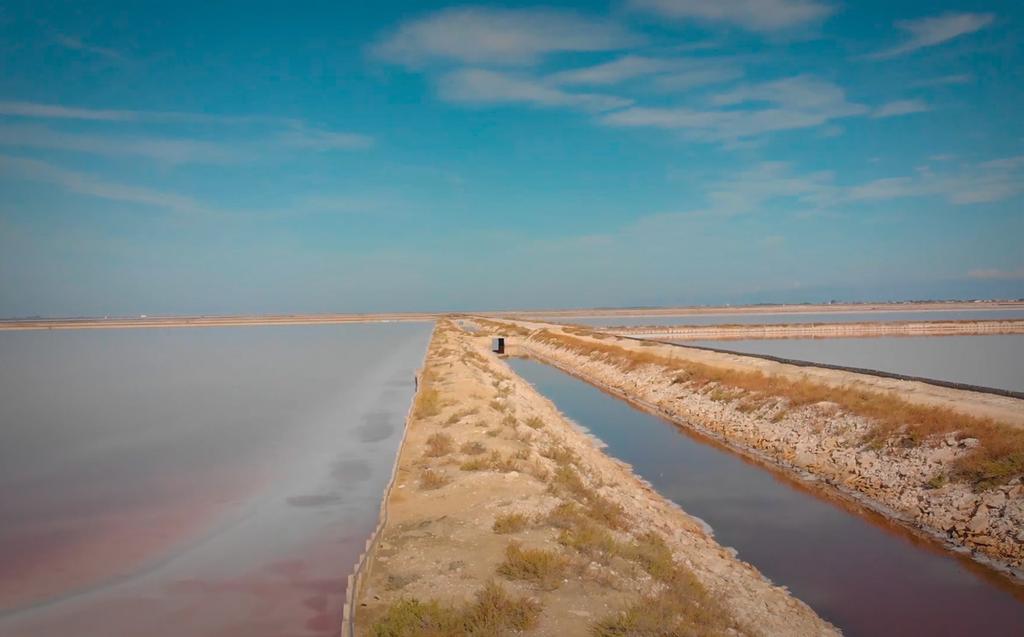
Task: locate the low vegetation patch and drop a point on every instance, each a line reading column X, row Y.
column 541, row 567
column 498, row 405
column 475, row 464
column 431, row 479
column 428, row 402
column 591, row 540
column 459, row 415
column 494, row 462
column 439, row 444
column 493, row 612
column 510, row 523
column 534, row 422
column 560, row 454
column 473, row 448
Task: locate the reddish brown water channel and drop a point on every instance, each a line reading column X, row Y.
column 862, row 574
column 194, row 482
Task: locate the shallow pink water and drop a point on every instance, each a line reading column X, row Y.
column 213, row 481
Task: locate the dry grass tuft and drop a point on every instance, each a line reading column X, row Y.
column 431, row 479
column 566, row 515
column 473, row 448
column 428, row 402
column 543, row 568
column 568, row 481
column 654, row 556
column 591, row 540
column 561, row 454
column 510, row 523
column 601, row 509
column 476, row 464
column 439, row 444
column 504, row 464
column 498, row 405
column 493, row 462
column 534, row 422
column 459, row 415
column 494, row 612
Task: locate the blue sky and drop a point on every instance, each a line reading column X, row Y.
column 274, row 157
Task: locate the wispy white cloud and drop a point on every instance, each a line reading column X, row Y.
column 76, row 44
column 754, row 15
column 900, row 107
column 304, row 137
column 804, row 92
column 265, row 130
column 934, row 30
column 705, row 75
column 755, row 189
column 787, row 104
column 482, row 86
column 168, row 150
column 481, row 35
column 624, row 68
column 54, row 111
column 85, row 184
column 945, row 80
column 964, row 184
column 749, row 190
column 669, row 74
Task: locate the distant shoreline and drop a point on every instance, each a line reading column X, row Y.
column 332, row 319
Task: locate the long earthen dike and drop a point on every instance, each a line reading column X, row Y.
column 864, row 329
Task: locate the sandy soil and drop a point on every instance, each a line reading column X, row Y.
column 439, row 543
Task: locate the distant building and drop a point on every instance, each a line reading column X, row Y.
column 498, row 345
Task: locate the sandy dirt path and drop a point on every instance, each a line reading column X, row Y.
column 489, row 464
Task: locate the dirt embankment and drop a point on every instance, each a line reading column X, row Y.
column 207, row 321
column 944, row 462
column 504, row 518
column 831, row 308
column 823, row 330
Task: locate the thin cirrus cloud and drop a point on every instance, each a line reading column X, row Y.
column 771, row 187
column 76, row 44
column 482, row 86
column 986, row 182
column 753, row 15
column 481, row 35
column 670, row 74
column 934, row 30
column 615, row 71
column 89, row 185
column 748, row 111
column 900, row 107
column 269, row 131
column 945, row 80
column 174, row 151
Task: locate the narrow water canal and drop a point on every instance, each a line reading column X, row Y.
column 860, row 573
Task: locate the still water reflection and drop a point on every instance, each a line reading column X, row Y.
column 205, row 481
column 859, row 573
